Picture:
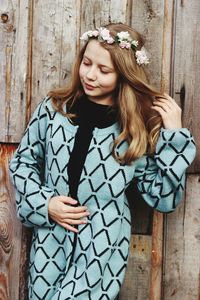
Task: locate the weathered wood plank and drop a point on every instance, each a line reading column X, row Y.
column 55, row 42
column 156, row 257
column 186, row 67
column 8, row 232
column 100, row 12
column 182, row 246
column 13, row 70
column 148, row 19
column 153, row 19
column 137, row 279
column 14, row 240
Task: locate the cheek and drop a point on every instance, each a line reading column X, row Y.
column 109, row 82
column 80, row 71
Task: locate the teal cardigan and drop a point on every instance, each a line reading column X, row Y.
column 39, row 172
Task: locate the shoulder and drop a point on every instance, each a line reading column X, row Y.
column 45, row 108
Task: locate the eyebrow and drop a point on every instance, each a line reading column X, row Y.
column 110, row 68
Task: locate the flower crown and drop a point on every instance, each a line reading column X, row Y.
column 123, row 39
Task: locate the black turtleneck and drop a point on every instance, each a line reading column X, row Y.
column 88, row 115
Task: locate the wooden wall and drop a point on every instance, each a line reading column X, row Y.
column 38, row 43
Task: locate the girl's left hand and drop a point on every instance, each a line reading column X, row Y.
column 169, row 111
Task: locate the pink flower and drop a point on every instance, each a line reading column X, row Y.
column 142, row 56
column 124, row 44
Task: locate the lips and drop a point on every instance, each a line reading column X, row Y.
column 88, row 86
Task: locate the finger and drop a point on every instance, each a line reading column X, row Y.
column 160, row 111
column 77, row 215
column 69, row 200
column 170, row 100
column 164, row 101
column 69, row 227
column 163, row 106
column 76, row 209
column 74, row 222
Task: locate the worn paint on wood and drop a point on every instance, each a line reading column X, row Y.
column 182, row 246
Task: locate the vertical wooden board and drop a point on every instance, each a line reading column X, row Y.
column 153, row 19
column 13, row 70
column 186, row 67
column 148, row 19
column 98, row 13
column 182, row 246
column 10, row 232
column 156, row 257
column 54, row 46
column 167, row 45
column 136, row 283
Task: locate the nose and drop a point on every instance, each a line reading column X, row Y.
column 91, row 73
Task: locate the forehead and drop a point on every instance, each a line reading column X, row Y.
column 95, row 52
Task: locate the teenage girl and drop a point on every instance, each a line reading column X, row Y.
column 82, row 148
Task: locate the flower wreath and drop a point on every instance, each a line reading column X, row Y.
column 123, row 39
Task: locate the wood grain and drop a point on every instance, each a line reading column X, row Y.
column 185, row 72
column 13, row 71
column 55, row 41
column 148, row 19
column 9, row 231
column 137, row 279
column 182, row 246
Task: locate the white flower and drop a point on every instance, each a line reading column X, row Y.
column 95, row 33
column 104, row 33
column 85, row 36
column 123, row 35
column 142, row 56
column 134, row 43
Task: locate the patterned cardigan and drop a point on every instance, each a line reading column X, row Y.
column 39, row 172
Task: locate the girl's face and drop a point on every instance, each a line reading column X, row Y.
column 97, row 74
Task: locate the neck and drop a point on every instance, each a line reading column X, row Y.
column 94, row 114
column 102, row 100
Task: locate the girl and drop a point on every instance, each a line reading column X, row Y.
column 92, row 138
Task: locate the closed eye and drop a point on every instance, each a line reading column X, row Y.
column 104, row 71
column 86, row 63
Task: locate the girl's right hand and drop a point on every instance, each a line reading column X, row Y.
column 62, row 210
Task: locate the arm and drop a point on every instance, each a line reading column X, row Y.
column 161, row 179
column 36, row 203
column 25, row 170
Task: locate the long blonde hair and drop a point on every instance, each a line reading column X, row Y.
column 140, row 125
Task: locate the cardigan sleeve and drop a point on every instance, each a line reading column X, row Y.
column 161, row 179
column 26, row 168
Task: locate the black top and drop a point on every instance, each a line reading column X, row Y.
column 88, row 115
